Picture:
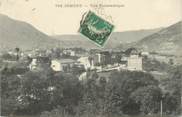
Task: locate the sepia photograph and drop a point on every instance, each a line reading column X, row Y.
column 90, row 58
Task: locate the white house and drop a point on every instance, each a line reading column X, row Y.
column 72, row 53
column 33, row 64
column 134, row 62
column 56, row 65
column 62, row 64
column 145, row 53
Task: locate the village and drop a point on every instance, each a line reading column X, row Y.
column 67, row 60
column 64, row 60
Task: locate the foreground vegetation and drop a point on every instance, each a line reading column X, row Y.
column 49, row 94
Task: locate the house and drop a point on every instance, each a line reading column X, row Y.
column 33, row 64
column 39, row 63
column 131, row 60
column 134, row 62
column 72, row 53
column 96, row 60
column 87, row 62
column 101, row 58
column 62, row 64
column 69, row 52
column 145, row 54
column 116, row 57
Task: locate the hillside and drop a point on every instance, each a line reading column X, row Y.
column 15, row 33
column 115, row 39
column 20, row 34
column 165, row 41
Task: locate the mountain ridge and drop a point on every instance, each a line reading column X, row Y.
column 15, row 33
column 165, row 41
column 114, row 40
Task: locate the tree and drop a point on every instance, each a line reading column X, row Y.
column 45, row 91
column 121, row 86
column 171, row 61
column 34, row 95
column 17, row 50
column 148, row 98
column 89, row 100
column 172, row 89
column 10, row 91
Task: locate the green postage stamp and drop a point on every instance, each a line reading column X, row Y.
column 95, row 28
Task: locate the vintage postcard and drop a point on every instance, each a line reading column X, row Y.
column 90, row 58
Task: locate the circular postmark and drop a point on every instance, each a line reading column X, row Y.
column 100, row 10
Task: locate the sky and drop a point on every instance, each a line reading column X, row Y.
column 131, row 15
